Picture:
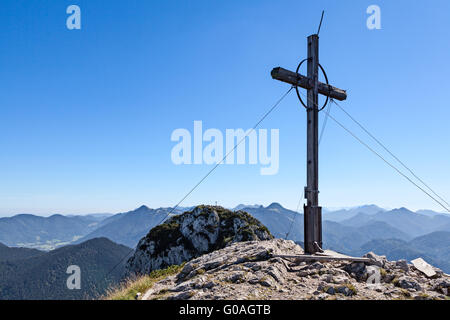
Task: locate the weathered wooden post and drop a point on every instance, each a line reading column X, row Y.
column 312, row 210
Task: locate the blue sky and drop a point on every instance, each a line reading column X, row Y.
column 86, row 115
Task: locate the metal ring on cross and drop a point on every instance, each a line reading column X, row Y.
column 326, row 79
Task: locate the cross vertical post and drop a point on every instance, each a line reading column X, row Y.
column 312, row 211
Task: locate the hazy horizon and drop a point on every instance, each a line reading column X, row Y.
column 69, row 213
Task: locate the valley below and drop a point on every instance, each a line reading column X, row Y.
column 35, row 252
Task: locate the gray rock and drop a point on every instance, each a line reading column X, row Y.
column 303, row 273
column 315, row 266
column 379, row 288
column 406, row 282
column 328, row 278
column 376, row 259
column 331, row 290
column 442, row 286
column 338, row 272
column 427, row 269
column 266, row 282
column 182, row 287
column 322, row 286
column 356, row 270
column 345, row 291
column 193, row 233
column 182, row 296
column 253, row 265
column 209, row 285
column 402, row 264
column 276, row 274
column 422, row 297
column 236, row 277
column 340, row 280
column 322, row 296
column 387, row 278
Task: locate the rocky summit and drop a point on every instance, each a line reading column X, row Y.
column 254, row 270
column 191, row 234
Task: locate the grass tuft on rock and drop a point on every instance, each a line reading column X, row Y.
column 129, row 288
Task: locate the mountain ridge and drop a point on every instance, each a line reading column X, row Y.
column 345, row 230
column 44, row 276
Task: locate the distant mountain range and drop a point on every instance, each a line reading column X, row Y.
column 26, row 230
column 347, row 230
column 411, row 223
column 48, row 233
column 129, row 227
column 433, row 247
column 32, row 274
column 398, row 233
column 344, row 214
column 97, row 243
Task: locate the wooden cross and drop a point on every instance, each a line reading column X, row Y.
column 312, row 210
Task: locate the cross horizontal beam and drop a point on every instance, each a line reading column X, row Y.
column 296, row 79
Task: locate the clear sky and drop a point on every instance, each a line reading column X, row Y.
column 86, row 115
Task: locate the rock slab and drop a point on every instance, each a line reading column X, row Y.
column 424, row 267
column 251, row 270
